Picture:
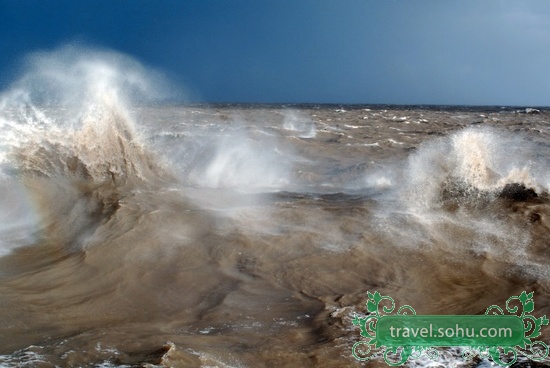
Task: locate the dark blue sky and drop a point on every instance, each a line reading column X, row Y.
column 493, row 52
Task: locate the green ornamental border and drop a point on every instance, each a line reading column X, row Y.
column 397, row 350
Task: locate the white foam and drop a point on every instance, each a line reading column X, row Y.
column 23, row 358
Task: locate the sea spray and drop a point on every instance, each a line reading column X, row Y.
column 67, row 136
column 117, row 253
column 473, row 162
column 300, row 123
column 456, row 194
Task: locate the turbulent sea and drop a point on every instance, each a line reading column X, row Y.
column 138, row 235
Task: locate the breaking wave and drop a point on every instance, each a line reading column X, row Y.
column 135, row 234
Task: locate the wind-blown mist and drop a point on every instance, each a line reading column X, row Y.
column 72, row 76
column 65, row 131
column 135, row 233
